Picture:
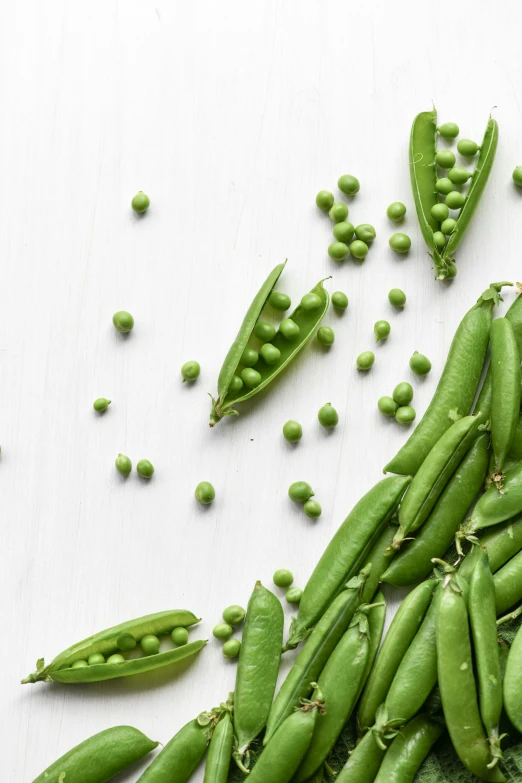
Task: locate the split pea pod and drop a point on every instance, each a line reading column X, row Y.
column 498, row 503
column 119, row 638
column 258, row 668
column 364, row 761
column 219, row 755
column 505, row 389
column 508, row 584
column 457, row 387
column 502, row 542
column 513, row 682
column 182, row 754
column 408, row 750
column 346, row 553
column 99, row 758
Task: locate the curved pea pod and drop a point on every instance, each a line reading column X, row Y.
column 258, row 668
column 513, row 682
column 508, row 584
column 408, row 750
column 306, row 320
column 364, row 761
column 502, row 542
column 346, row 553
column 457, row 387
column 182, row 754
column 219, row 755
column 434, row 474
column 401, row 633
column 413, row 562
column 376, row 621
column 99, row 758
column 380, row 556
column 106, row 643
column 315, row 653
column 498, row 503
column 505, row 389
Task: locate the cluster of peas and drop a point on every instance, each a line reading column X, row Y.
column 398, row 405
column 149, row 644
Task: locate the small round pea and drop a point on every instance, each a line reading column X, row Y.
column 339, row 300
column 397, row 298
column 222, row 631
column 236, row 384
column 116, row 658
column 365, row 360
column 264, row 331
column 190, row 371
column 310, row 301
column 338, row 212
column 344, row 231
column 150, row 644
column 289, row 329
column 468, row 148
column 400, row 243
column 444, row 186
column 459, row 175
column 270, row 353
column 452, row 271
column 140, row 202
column 179, row 636
column 396, row 211
column 420, row 364
column 326, row 336
column 249, row 358
column 324, row 200
column 312, row 509
column 292, row 431
column 381, row 330
column 448, row 226
column 79, row 665
column 231, row 648
column 403, row 393
column 455, row 200
column 348, row 184
column 145, row 468
column 101, row 404
column 439, row 212
column 405, row 414
column 251, row 378
column 328, row 416
column 204, row 493
column 126, row 641
column 449, row 130
column 359, row 249
column 517, row 176
column 439, row 239
column 234, row 615
column 123, row 321
column 294, row 595
column 300, row 491
column 338, row 251
column 95, row 659
column 279, row 301
column 387, row 406
column 365, row 232
column 123, row 464
column 283, row 578
column 445, row 159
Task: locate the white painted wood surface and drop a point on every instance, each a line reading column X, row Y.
column 231, row 116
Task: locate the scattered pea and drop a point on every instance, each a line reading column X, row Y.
column 468, row 148
column 444, row 186
column 310, row 301
column 420, row 364
column 348, row 184
column 126, row 642
column 397, row 298
column 95, row 659
column 439, row 212
column 123, row 464
column 405, row 414
column 455, row 200
column 236, row 384
column 116, row 658
column 222, row 631
column 140, row 202
column 179, row 636
column 294, row 595
column 328, row 416
column 101, row 404
column 339, row 300
column 324, row 201
column 190, row 371
column 264, row 331
column 517, row 176
column 365, row 232
column 279, row 301
column 150, row 644
column 400, row 243
column 403, row 393
column 270, row 353
column 338, row 251
column 359, row 249
column 381, row 330
column 365, row 360
column 234, row 615
column 312, row 509
column 338, row 212
column 459, row 175
column 344, row 231
column 292, row 431
column 289, row 329
column 251, row 378
column 79, row 665
column 231, row 648
column 283, row 578
column 326, row 335
column 448, row 226
column 300, row 491
column 123, row 321
column 145, row 468
column 439, row 239
column 387, row 406
column 445, row 159
column 249, row 358
column 449, row 130
column 205, row 493
column 396, row 211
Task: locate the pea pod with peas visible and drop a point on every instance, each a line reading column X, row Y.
column 409, row 749
column 219, row 755
column 505, row 389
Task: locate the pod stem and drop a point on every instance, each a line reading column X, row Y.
column 238, row 756
column 494, row 744
column 385, row 729
column 398, row 538
column 511, row 616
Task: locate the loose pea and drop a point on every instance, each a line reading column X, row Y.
column 312, row 509
column 310, row 301
column 420, row 364
column 279, row 301
column 448, row 226
column 292, row 431
column 455, row 200
column 338, row 212
column 205, row 493
column 449, row 130
column 251, row 378
column 328, row 416
column 123, row 321
column 324, row 201
column 459, row 175
column 179, row 636
column 222, row 631
column 231, row 648
column 101, row 404
column 444, row 186
column 381, row 330
column 338, row 251
column 468, row 148
column 116, row 658
column 359, row 249
column 397, row 298
column 123, row 464
column 300, row 491
column 145, row 468
column 236, row 384
column 140, row 202
column 234, row 615
column 270, row 353
column 405, row 414
column 365, row 360
column 325, row 335
column 348, row 184
column 294, row 595
column 344, row 231
column 264, row 331
column 283, row 577
column 126, row 641
column 190, row 371
column 396, row 211
column 289, row 329
column 403, row 393
column 439, row 239
column 445, row 159
column 339, row 300
column 439, row 212
column 386, row 406
column 150, row 644
column 79, row 665
column 249, row 358
column 517, row 176
column 365, row 232
column 400, row 243
column 95, row 659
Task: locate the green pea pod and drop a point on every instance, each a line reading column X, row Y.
column 502, row 542
column 413, row 562
column 220, row 750
column 258, row 668
column 498, row 503
column 182, row 754
column 106, row 643
column 376, row 621
column 505, row 389
column 408, row 750
column 457, row 683
column 315, row 653
column 364, row 761
column 401, row 633
column 515, row 450
column 508, row 584
column 513, row 682
column 380, row 556
column 100, row 757
column 434, row 474
column 346, row 553
column 457, row 387
column 306, row 320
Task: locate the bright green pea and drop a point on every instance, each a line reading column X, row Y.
column 141, row 202
column 326, row 335
column 205, row 493
column 312, row 509
column 324, row 201
column 95, row 659
column 445, row 159
column 452, row 270
column 468, row 148
column 403, row 393
column 150, row 644
column 338, row 251
column 517, row 176
column 344, row 231
column 339, row 300
column 222, row 631
column 448, row 226
column 444, row 186
column 283, row 578
column 79, row 665
column 381, row 329
column 300, row 492
column 126, row 642
column 123, row 321
column 338, row 212
column 459, row 175
column 365, row 360
column 279, row 301
column 397, row 298
column 270, row 353
column 264, row 331
column 439, row 212
column 292, row 431
column 116, row 658
column 449, row 130
column 190, row 371
column 328, row 416
column 123, row 464
column 236, row 384
column 400, row 243
column 439, row 239
column 396, row 211
column 405, row 414
column 310, row 301
column 101, row 404
column 179, row 636
column 359, row 249
column 387, row 406
column 231, row 648
column 251, row 378
column 420, row 364
column 289, row 329
column 365, row 232
column 348, row 184
column 294, row 595
column 249, row 358
column 145, row 468
column 234, row 615
column 455, row 200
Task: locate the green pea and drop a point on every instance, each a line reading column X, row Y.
column 222, row 631
column 339, row 300
column 205, row 493
column 145, row 468
column 324, row 201
column 403, row 393
column 455, row 200
column 338, row 212
column 289, row 329
column 381, row 329
column 444, row 186
column 400, row 243
column 468, row 148
column 312, row 509
column 251, row 378
column 459, row 175
column 300, row 492
column 397, row 298
column 448, row 226
column 294, row 595
column 348, row 184
column 292, row 431
column 264, row 331
column 396, row 211
column 439, row 212
column 249, row 358
column 449, row 130
column 79, row 665
column 179, row 636
column 271, row 354
column 338, row 251
column 279, row 301
column 150, row 644
column 123, row 321
column 439, row 239
column 420, row 364
column 405, row 414
column 123, row 464
column 140, row 202
column 365, row 360
column 126, row 642
column 344, row 231
column 116, row 658
column 283, row 578
column 326, row 335
column 95, row 659
column 231, row 648
column 445, row 159
column 386, row 406
column 190, row 371
column 236, row 384
column 517, row 176
column 328, row 416
column 101, row 404
column 234, row 615
column 310, row 301
column 359, row 249
column 365, row 232
column 452, row 270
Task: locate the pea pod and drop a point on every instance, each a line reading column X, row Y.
column 183, row 753
column 413, row 562
column 380, row 556
column 364, row 761
column 457, row 387
column 502, row 542
column 220, row 749
column 408, row 750
column 258, row 668
column 99, row 758
column 498, row 503
column 513, row 682
column 346, row 553
column 106, row 642
column 508, row 584
column 376, row 621
column 515, row 450
column 505, row 389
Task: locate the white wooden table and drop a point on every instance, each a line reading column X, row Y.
column 231, row 116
